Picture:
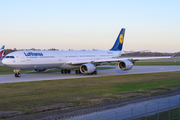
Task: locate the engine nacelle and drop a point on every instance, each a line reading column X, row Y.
column 87, row 68
column 39, row 70
column 125, row 65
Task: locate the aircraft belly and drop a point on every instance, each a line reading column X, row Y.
column 67, row 66
column 34, row 66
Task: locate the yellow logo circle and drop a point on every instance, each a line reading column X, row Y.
column 121, row 38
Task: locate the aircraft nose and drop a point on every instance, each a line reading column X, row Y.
column 4, row 61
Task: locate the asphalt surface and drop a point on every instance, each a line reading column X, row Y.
column 57, row 75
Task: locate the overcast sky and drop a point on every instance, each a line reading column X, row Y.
column 90, row 24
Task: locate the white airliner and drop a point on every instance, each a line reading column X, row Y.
column 84, row 61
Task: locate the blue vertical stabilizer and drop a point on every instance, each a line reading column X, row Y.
column 119, row 41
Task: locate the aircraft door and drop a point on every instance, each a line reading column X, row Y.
column 22, row 57
column 59, row 57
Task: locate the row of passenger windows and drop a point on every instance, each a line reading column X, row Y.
column 68, row 56
column 9, row 57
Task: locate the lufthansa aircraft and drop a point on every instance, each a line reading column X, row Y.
column 2, row 52
column 84, row 61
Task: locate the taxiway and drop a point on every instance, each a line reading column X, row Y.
column 57, row 75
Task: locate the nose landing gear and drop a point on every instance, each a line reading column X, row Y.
column 17, row 72
column 17, row 75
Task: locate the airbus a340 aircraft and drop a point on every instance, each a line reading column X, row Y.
column 2, row 52
column 85, row 61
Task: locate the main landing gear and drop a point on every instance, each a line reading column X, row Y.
column 95, row 72
column 17, row 73
column 65, row 71
column 78, row 72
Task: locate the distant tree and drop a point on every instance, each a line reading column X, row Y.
column 32, row 49
column 52, row 49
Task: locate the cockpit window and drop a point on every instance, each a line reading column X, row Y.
column 9, row 57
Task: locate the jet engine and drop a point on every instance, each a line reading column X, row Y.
column 125, row 65
column 39, row 70
column 87, row 68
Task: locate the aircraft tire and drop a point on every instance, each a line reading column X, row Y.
column 62, row 71
column 17, row 75
column 95, row 72
column 69, row 71
column 79, row 71
column 65, row 71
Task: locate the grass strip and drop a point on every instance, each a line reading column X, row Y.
column 141, row 63
column 157, row 63
column 28, row 96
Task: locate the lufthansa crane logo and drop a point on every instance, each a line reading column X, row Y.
column 121, row 38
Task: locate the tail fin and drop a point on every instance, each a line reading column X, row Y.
column 119, row 41
column 2, row 51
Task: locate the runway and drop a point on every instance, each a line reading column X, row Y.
column 58, row 75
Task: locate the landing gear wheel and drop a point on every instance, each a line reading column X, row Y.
column 65, row 71
column 95, row 72
column 77, row 71
column 62, row 71
column 17, row 75
column 69, row 71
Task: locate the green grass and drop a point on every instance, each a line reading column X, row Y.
column 177, row 118
column 5, row 70
column 152, row 63
column 141, row 63
column 28, row 96
column 158, row 63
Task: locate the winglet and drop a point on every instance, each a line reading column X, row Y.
column 174, row 55
column 3, row 47
column 119, row 41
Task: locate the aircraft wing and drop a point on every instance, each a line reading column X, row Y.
column 127, row 52
column 133, row 59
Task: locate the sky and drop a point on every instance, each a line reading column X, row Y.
column 90, row 24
